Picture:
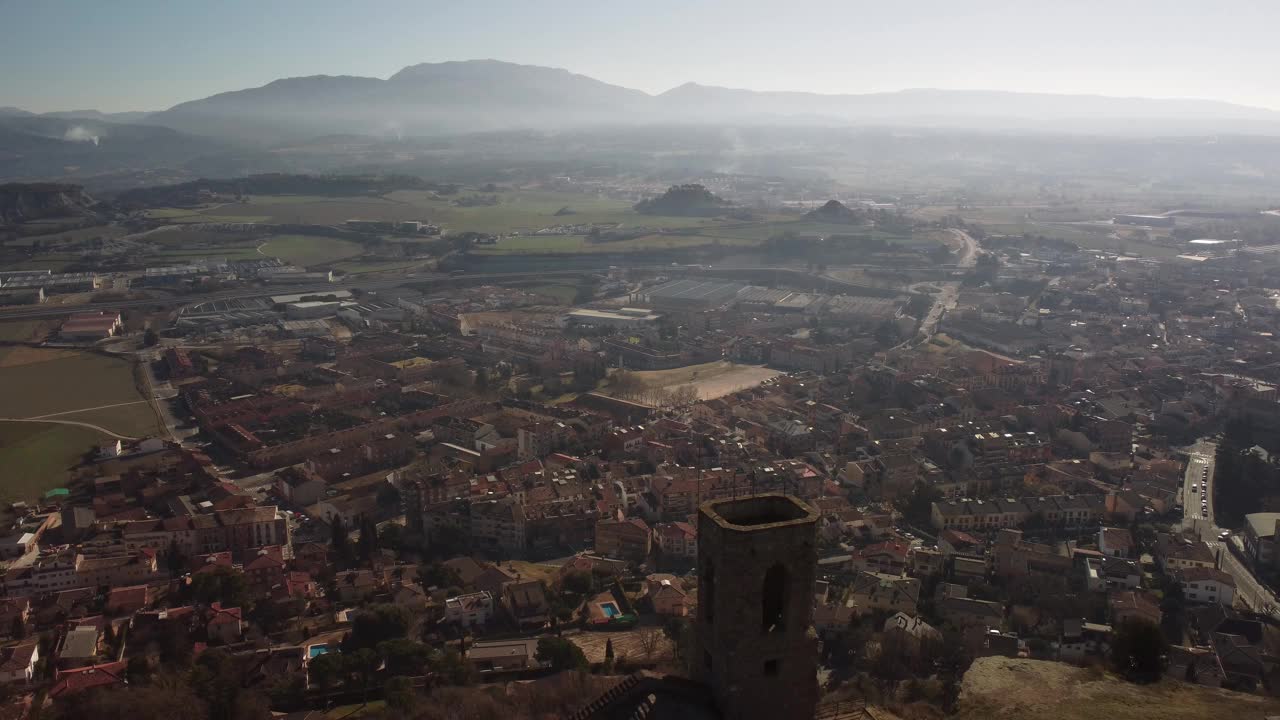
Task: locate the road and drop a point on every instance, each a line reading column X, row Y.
column 1199, row 518
column 99, row 428
column 967, row 257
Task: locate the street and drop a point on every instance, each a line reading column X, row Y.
column 1199, row 477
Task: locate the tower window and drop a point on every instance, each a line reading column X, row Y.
column 773, row 599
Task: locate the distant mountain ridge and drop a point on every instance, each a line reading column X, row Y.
column 478, row 95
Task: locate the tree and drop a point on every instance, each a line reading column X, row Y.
column 579, row 582
column 404, row 656
column 608, row 649
column 326, row 670
column 18, row 629
column 680, row 632
column 561, row 654
column 649, row 639
column 338, row 536
column 138, row 670
column 1138, row 651
column 482, row 380
column 400, row 695
column 377, row 624
column 222, row 585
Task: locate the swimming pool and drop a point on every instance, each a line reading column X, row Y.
column 610, row 609
column 316, row 651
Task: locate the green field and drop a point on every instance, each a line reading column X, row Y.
column 69, row 383
column 563, row 292
column 309, row 250
column 37, row 456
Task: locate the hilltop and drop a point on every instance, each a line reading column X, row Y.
column 684, row 200
column 836, row 213
column 1018, row 689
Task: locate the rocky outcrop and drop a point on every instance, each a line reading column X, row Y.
column 21, row 202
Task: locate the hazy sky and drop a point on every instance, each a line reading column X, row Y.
column 147, row 55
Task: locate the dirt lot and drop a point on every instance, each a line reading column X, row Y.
column 629, row 643
column 998, row 687
column 713, row 380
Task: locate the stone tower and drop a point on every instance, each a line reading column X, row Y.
column 754, row 646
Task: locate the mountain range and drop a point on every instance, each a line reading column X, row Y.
column 479, row 95
column 328, row 123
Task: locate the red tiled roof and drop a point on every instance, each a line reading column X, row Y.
column 81, row 679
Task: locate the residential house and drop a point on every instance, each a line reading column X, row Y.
column 1126, row 605
column 889, row 558
column 987, row 642
column 910, row 634
column 1197, row 664
column 1118, row 572
column 628, row 539
column 1243, row 666
column 79, row 647
column 968, row 612
column 78, row 680
column 667, row 595
column 1080, row 639
column 498, row 656
column 677, row 539
column 18, row 662
column 1260, row 533
column 526, row 603
column 499, row 525
column 14, row 611
column 1207, row 585
column 925, row 562
column 473, row 609
column 1177, row 552
column 224, row 625
column 1116, row 542
column 355, row 586
column 128, row 600
column 871, row 592
column 300, row 486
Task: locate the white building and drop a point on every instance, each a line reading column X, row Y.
column 1207, row 585
column 471, row 609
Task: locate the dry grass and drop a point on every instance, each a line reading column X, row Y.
column 998, row 687
column 628, row 643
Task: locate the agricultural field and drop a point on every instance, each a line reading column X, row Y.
column 37, row 456
column 310, row 250
column 563, row 292
column 64, row 384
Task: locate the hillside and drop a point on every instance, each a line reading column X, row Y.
column 684, row 201
column 21, row 202
column 1016, row 689
column 836, row 213
column 36, row 146
column 184, row 194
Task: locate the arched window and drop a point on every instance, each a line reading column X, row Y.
column 707, row 593
column 773, row 599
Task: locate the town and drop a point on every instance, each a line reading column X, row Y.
column 410, row 485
